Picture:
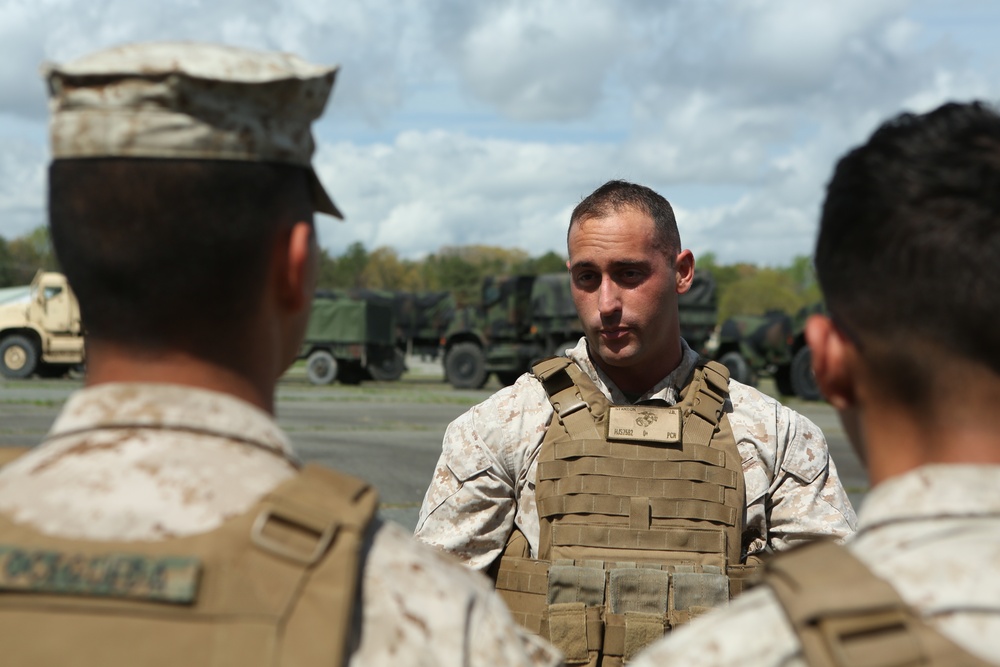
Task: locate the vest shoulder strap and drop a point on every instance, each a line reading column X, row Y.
column 704, row 401
column 576, row 402
column 336, row 509
column 846, row 616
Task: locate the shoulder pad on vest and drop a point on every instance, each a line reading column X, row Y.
column 846, row 615
column 717, row 377
column 546, row 368
column 322, row 502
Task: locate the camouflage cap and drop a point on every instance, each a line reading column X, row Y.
column 186, row 100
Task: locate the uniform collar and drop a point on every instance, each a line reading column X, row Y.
column 170, row 407
column 668, row 389
column 933, row 491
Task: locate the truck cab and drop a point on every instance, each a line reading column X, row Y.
column 41, row 330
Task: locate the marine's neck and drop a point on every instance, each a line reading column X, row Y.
column 897, row 439
column 640, row 378
column 111, row 363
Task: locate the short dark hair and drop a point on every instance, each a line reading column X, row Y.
column 170, row 253
column 909, row 245
column 613, row 196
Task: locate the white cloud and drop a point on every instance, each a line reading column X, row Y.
column 457, row 122
column 542, row 61
column 430, row 189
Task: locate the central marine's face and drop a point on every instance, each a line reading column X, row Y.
column 625, row 289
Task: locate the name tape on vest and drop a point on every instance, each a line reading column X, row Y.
column 172, row 579
column 644, row 423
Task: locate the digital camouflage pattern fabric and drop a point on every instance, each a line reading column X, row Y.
column 484, row 482
column 127, row 462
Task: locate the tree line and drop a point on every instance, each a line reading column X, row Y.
column 743, row 288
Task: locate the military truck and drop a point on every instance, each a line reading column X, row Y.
column 349, row 340
column 522, row 319
column 751, row 345
column 421, row 318
column 772, row 344
column 796, row 378
column 40, row 328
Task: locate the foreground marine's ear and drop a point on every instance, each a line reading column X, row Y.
column 296, row 266
column 684, row 270
column 833, row 357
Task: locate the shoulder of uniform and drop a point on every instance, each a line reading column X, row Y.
column 398, row 559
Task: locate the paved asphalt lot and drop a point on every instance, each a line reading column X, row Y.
column 389, row 433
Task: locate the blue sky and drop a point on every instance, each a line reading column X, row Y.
column 456, row 123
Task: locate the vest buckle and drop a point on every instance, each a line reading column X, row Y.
column 298, row 536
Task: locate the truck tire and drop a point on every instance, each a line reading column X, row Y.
column 351, row 373
column 803, row 380
column 18, row 357
column 321, row 367
column 783, row 380
column 53, row 370
column 739, row 369
column 390, row 368
column 466, row 366
column 507, row 378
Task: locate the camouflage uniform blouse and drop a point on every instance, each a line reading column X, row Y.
column 933, row 534
column 149, row 462
column 484, row 483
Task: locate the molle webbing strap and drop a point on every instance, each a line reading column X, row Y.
column 634, row 451
column 639, row 471
column 846, row 616
column 652, row 488
column 659, row 508
column 673, row 539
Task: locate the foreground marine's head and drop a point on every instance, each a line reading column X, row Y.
column 907, row 255
column 177, row 168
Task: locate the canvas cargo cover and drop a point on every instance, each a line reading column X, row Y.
column 350, row 321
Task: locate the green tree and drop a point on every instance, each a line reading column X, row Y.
column 8, row 276
column 449, row 271
column 345, row 271
column 550, row 262
column 802, row 273
column 26, row 254
column 385, row 270
column 758, row 292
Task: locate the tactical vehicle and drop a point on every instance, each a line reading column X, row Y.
column 40, row 328
column 421, row 318
column 522, row 319
column 796, row 377
column 772, row 344
column 751, row 345
column 349, row 340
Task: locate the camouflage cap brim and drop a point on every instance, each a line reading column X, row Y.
column 185, row 100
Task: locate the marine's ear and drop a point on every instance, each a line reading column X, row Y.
column 833, row 355
column 684, row 270
column 297, row 266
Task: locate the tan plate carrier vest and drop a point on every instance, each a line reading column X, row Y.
column 274, row 586
column 846, row 616
column 638, row 535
